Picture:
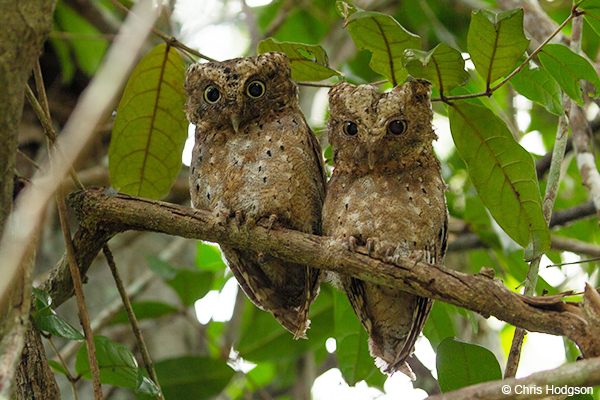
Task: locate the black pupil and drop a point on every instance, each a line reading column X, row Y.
column 212, row 94
column 255, row 89
column 351, row 128
column 397, row 127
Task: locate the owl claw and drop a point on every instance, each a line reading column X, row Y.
column 389, row 252
column 272, row 220
column 352, row 243
column 370, row 246
column 239, row 218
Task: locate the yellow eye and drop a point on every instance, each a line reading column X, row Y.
column 350, row 128
column 256, row 89
column 397, row 127
column 212, row 94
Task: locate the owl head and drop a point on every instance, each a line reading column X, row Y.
column 237, row 91
column 369, row 130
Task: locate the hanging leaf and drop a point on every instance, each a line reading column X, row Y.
column 383, row 36
column 568, row 68
column 308, row 62
column 345, row 10
column 192, row 377
column 537, row 85
column 352, row 348
column 443, row 66
column 209, row 257
column 496, row 42
column 503, row 173
column 117, row 364
column 150, row 128
column 460, row 364
column 47, row 320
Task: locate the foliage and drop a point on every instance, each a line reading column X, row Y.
column 495, row 192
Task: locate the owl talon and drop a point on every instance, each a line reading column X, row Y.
column 389, row 252
column 370, row 246
column 352, row 243
column 272, row 220
column 239, row 218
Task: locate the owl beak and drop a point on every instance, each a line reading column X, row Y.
column 371, row 158
column 235, row 122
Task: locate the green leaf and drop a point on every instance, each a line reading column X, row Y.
column 383, row 36
column 352, row 347
column 461, row 364
column 502, row 172
column 537, row 85
column 57, row 367
column 117, row 364
column 191, row 285
column 192, row 377
column 444, row 66
column 263, row 339
column 209, row 257
column 440, row 324
column 47, row 320
column 89, row 52
column 145, row 310
column 161, row 268
column 568, row 68
column 308, row 62
column 496, row 42
column 592, row 13
column 150, row 128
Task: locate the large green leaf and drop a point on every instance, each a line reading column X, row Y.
column 496, row 42
column 48, row 321
column 308, row 62
column 192, row 377
column 89, row 51
column 461, row 364
column 263, row 339
column 592, row 13
column 209, row 257
column 502, row 172
column 383, row 36
column 150, row 128
column 444, row 66
column 351, row 338
column 440, row 324
column 537, row 85
column 117, row 364
column 568, row 68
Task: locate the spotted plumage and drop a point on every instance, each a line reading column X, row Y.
column 256, row 158
column 386, row 193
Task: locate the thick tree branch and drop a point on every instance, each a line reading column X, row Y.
column 583, row 373
column 111, row 212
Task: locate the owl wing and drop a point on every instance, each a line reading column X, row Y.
column 318, row 157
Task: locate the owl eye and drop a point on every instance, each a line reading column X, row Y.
column 397, row 127
column 212, row 94
column 255, row 89
column 350, row 128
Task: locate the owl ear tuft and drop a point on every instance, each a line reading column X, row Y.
column 421, row 89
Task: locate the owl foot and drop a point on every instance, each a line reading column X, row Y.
column 272, row 220
column 221, row 215
column 239, row 218
column 352, row 243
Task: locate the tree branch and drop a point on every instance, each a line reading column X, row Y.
column 583, row 373
column 99, row 210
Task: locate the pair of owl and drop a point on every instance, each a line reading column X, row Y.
column 255, row 157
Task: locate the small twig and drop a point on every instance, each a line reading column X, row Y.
column 28, row 159
column 576, row 262
column 168, row 39
column 65, row 367
column 62, row 213
column 132, row 319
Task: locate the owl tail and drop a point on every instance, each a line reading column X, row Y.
column 387, row 368
column 294, row 321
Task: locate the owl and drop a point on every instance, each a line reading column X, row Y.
column 386, row 193
column 255, row 158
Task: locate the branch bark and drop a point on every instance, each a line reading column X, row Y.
column 98, row 209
